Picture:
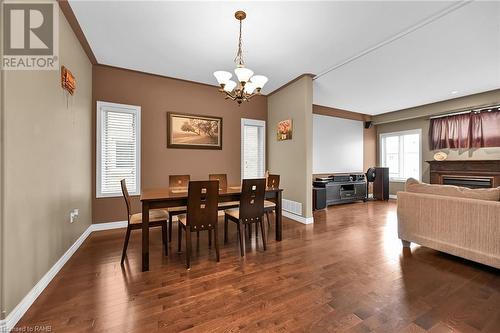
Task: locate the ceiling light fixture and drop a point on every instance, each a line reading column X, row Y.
column 248, row 85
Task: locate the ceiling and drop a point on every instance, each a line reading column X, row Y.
column 371, row 57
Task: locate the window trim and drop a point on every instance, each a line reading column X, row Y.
column 400, row 133
column 252, row 122
column 125, row 108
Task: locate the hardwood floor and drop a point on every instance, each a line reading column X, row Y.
column 344, row 273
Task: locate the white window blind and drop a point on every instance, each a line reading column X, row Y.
column 401, row 152
column 118, row 149
column 253, row 148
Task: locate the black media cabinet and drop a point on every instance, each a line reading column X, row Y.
column 339, row 189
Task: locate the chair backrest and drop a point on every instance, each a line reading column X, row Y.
column 252, row 200
column 202, row 206
column 178, row 181
column 222, row 178
column 273, row 181
column 126, row 196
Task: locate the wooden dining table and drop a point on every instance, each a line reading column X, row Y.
column 170, row 197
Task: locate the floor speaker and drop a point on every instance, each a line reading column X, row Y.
column 319, row 198
column 381, row 184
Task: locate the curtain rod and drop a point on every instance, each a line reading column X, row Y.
column 467, row 111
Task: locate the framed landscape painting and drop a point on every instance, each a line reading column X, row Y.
column 193, row 131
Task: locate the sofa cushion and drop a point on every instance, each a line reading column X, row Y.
column 415, row 186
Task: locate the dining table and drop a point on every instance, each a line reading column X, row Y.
column 175, row 197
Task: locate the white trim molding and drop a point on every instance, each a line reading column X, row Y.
column 298, row 218
column 16, row 314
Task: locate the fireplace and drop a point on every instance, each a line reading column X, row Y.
column 471, row 182
column 467, row 173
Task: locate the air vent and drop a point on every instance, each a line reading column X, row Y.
column 293, row 207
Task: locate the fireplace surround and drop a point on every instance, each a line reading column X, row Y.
column 468, row 173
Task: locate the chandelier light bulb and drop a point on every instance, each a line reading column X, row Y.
column 250, row 87
column 229, row 85
column 243, row 74
column 222, row 76
column 259, row 81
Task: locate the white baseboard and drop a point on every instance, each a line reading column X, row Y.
column 108, row 225
column 298, row 218
column 13, row 317
column 393, row 196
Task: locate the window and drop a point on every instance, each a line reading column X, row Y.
column 118, row 148
column 401, row 152
column 253, row 148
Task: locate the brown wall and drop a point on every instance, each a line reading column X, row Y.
column 156, row 95
column 369, row 135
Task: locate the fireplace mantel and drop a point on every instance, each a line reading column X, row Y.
column 479, row 169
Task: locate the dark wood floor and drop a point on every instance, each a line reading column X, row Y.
column 344, row 273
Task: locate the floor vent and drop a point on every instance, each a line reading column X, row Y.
column 293, row 207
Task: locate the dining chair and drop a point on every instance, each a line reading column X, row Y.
column 157, row 218
column 273, row 182
column 203, row 197
column 222, row 178
column 176, row 183
column 251, row 210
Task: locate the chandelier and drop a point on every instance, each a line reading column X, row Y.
column 248, row 85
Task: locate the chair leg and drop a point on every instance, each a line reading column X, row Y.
column 263, row 232
column 179, row 238
column 241, row 237
column 125, row 245
column 225, row 229
column 268, row 223
column 188, row 249
column 169, row 228
column 216, row 241
column 164, row 237
column 209, row 238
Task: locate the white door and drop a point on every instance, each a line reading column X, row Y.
column 253, row 148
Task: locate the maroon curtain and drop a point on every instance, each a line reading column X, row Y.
column 486, row 129
column 470, row 130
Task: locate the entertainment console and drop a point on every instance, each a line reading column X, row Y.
column 338, row 189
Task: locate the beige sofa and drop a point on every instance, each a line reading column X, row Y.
column 455, row 220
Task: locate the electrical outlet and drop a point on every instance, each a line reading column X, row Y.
column 73, row 215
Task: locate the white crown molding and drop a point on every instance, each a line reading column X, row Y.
column 298, row 218
column 7, row 324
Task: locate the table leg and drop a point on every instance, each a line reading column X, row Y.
column 145, row 236
column 278, row 216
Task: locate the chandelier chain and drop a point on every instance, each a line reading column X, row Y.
column 239, row 55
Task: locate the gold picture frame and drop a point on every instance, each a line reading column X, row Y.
column 191, row 131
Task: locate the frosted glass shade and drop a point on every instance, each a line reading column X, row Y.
column 229, row 85
column 259, row 80
column 222, row 76
column 249, row 87
column 243, row 74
